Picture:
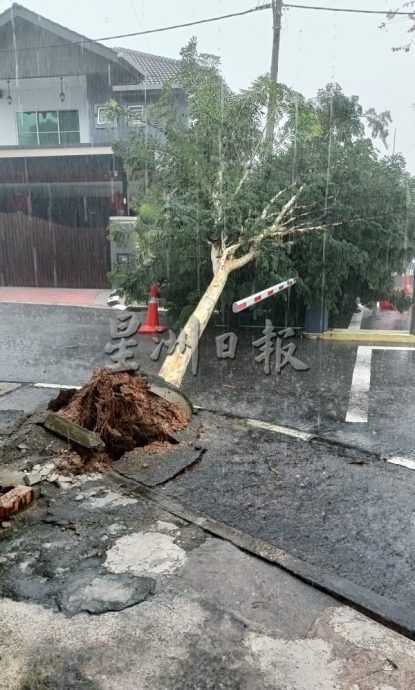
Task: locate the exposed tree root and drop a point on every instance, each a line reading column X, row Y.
column 122, row 410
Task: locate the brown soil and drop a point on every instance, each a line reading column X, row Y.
column 81, row 463
column 122, row 410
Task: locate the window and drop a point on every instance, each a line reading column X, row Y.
column 101, row 119
column 135, row 115
column 48, row 128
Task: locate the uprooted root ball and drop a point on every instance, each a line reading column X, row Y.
column 123, row 411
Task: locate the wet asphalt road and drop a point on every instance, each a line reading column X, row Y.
column 349, row 514
column 62, row 345
column 315, row 497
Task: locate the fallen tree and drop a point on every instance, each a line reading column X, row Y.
column 219, row 198
column 226, row 258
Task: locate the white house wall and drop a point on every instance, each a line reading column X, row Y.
column 33, row 94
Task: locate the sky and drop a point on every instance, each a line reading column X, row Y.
column 316, row 47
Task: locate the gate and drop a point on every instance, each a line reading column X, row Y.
column 37, row 253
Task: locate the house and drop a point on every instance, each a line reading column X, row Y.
column 57, row 166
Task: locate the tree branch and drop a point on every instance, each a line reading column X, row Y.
column 264, row 214
column 248, row 166
column 288, row 206
column 274, row 230
column 234, row 264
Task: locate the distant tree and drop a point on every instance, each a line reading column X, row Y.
column 367, row 196
column 393, row 15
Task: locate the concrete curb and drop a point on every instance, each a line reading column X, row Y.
column 379, row 608
column 365, row 336
column 299, row 434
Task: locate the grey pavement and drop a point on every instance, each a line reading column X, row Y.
column 343, row 514
column 101, row 589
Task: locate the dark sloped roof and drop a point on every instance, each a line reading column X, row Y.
column 154, row 68
column 17, row 11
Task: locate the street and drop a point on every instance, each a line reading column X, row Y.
column 62, row 345
column 207, row 352
column 280, row 479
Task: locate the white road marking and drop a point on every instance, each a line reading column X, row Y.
column 54, row 385
column 276, row 428
column 392, row 347
column 401, row 460
column 358, row 408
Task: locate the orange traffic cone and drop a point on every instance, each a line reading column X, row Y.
column 407, row 287
column 152, row 319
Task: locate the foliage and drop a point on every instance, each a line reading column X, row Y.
column 118, row 234
column 213, row 182
column 392, row 16
column 400, row 300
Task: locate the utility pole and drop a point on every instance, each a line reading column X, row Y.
column 412, row 322
column 276, row 33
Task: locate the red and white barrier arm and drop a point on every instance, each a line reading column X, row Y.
column 260, row 296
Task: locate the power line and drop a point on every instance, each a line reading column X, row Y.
column 171, row 27
column 323, row 8
column 83, row 41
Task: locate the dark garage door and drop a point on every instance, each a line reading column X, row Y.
column 36, row 253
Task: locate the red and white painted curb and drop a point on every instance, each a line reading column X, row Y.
column 260, row 296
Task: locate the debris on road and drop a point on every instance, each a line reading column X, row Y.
column 73, row 432
column 32, row 478
column 72, row 462
column 14, row 500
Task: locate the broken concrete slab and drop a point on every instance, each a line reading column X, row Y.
column 104, row 592
column 169, row 392
column 191, row 432
column 109, row 500
column 42, row 445
column 73, row 432
column 32, row 478
column 8, row 387
column 156, row 469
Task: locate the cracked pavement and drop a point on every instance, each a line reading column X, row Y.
column 100, row 588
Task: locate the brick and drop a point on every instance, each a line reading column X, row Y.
column 14, row 500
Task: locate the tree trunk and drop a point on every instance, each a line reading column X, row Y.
column 174, row 366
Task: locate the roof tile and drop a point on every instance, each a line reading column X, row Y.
column 154, row 68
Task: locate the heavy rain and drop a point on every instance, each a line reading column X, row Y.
column 207, row 256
